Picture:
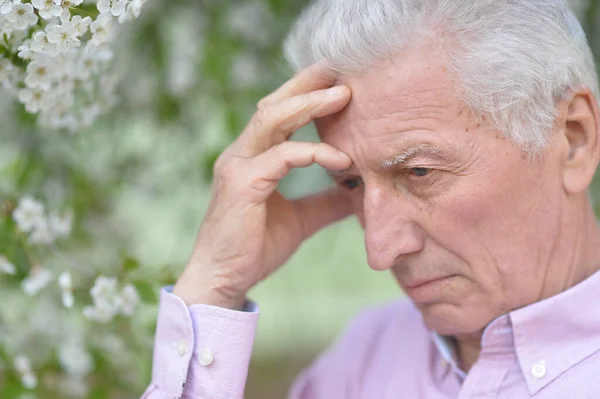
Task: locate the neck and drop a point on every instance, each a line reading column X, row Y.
column 574, row 257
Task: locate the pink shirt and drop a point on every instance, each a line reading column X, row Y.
column 547, row 350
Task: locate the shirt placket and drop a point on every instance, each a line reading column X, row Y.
column 485, row 378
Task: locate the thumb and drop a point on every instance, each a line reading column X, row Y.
column 322, row 209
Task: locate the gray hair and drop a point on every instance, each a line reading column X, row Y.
column 512, row 59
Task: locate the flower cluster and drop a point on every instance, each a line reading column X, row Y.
column 23, row 367
column 38, row 232
column 108, row 302
column 55, row 59
column 31, row 219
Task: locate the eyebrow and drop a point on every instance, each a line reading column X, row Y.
column 410, row 153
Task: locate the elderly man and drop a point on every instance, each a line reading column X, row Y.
column 464, row 136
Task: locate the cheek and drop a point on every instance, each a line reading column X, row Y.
column 492, row 221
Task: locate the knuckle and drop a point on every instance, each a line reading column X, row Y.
column 263, row 103
column 225, row 168
column 261, row 117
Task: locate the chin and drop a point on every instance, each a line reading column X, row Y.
column 447, row 319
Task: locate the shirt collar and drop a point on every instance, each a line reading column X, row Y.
column 549, row 336
column 553, row 335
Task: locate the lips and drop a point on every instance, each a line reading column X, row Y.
column 421, row 282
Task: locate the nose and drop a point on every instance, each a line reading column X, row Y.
column 389, row 219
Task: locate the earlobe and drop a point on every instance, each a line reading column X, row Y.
column 581, row 126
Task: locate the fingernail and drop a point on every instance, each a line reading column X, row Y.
column 337, row 91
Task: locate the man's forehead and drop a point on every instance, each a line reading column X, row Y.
column 412, row 86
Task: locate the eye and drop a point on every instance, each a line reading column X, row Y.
column 420, row 172
column 352, row 183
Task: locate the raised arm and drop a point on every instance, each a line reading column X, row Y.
column 206, row 327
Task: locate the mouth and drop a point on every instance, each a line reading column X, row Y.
column 427, row 289
column 422, row 282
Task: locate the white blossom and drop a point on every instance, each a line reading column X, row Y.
column 67, row 86
column 6, row 266
column 102, row 30
column 29, row 380
column 40, row 44
column 37, row 280
column 8, row 75
column 22, row 364
column 60, row 115
column 63, row 36
column 107, row 301
column 61, row 225
column 25, row 51
column 104, row 287
column 65, row 6
column 134, row 9
column 20, row 15
column 47, row 8
column 115, row 7
column 41, row 233
column 129, row 300
column 91, row 60
column 102, row 311
column 34, row 99
column 6, row 28
column 28, row 214
column 74, row 359
column 40, row 73
column 81, row 24
column 23, row 367
column 66, row 285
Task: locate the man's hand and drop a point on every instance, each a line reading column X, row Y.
column 250, row 229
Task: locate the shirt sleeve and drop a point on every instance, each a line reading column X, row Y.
column 201, row 351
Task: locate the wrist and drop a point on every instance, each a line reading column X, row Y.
column 203, row 291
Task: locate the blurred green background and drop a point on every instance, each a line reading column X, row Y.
column 139, row 180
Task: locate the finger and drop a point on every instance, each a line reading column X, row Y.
column 274, row 164
column 315, row 77
column 263, row 173
column 322, row 209
column 273, row 125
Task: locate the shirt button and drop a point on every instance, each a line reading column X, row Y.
column 206, row 358
column 181, row 347
column 539, row 369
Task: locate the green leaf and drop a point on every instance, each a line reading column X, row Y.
column 130, row 264
column 147, row 291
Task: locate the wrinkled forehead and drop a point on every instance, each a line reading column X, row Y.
column 409, row 87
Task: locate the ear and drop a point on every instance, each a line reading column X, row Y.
column 579, row 119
